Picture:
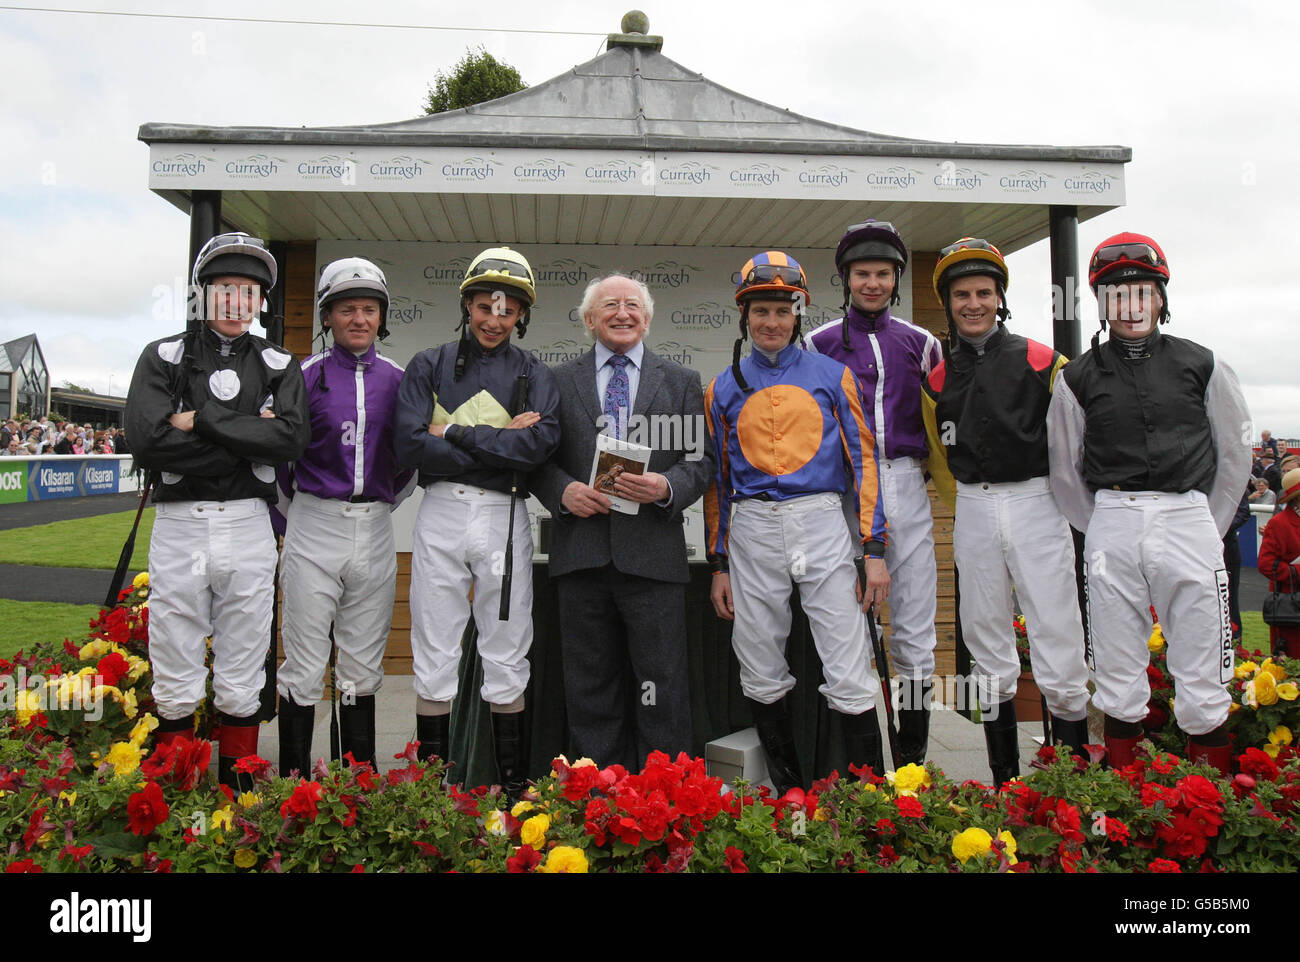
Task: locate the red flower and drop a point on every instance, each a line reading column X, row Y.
column 36, row 827
column 1164, row 865
column 358, row 869
column 1183, row 837
column 426, row 849
column 411, row 773
column 112, row 667
column 1065, row 823
column 75, row 852
column 1199, row 791
column 259, row 768
column 887, row 855
column 865, row 773
column 302, row 803
column 1257, row 763
column 1153, row 793
column 909, row 807
column 24, row 866
column 152, row 863
column 365, row 776
column 182, row 761
column 1164, row 763
column 1116, row 830
column 465, row 804
column 524, row 860
column 146, row 809
column 884, row 826
column 580, row 782
column 736, row 860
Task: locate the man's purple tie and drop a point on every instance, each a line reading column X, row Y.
column 616, row 394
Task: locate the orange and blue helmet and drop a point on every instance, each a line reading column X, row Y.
column 773, row 275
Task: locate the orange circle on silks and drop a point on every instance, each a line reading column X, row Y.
column 780, row 429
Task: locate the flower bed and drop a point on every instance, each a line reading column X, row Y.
column 97, row 795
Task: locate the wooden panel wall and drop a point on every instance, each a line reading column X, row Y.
column 299, row 296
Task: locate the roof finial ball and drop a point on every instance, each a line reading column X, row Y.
column 634, row 21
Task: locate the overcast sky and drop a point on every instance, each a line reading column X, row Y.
column 1205, row 95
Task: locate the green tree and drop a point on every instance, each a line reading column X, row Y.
column 69, row 386
column 478, row 76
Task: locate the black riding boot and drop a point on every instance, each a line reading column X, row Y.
column 862, row 741
column 914, row 722
column 296, row 723
column 1002, row 736
column 510, row 741
column 776, row 733
column 357, row 729
column 432, row 732
column 1073, row 734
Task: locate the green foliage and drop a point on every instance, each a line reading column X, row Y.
column 478, row 76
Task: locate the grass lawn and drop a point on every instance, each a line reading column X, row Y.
column 23, row 624
column 1254, row 633
column 85, row 543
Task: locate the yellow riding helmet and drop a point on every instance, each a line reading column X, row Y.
column 501, row 269
column 970, row 255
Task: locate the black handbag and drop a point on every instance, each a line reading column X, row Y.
column 1282, row 608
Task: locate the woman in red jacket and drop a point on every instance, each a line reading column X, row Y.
column 1280, row 549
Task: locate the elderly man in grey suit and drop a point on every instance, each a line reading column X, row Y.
column 622, row 578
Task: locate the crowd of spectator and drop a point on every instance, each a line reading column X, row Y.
column 43, row 436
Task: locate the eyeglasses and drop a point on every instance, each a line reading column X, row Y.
column 1138, row 253
column 629, row 304
column 765, row 273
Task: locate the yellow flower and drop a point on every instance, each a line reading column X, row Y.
column 143, row 727
column 564, row 858
column 909, row 778
column 584, row 762
column 1279, row 736
column 93, row 650
column 1277, row 671
column 534, row 831
column 520, row 808
column 26, row 704
column 141, row 580
column 223, row 818
column 124, row 757
column 973, row 841
column 1245, row 669
column 822, row 814
column 1263, row 689
column 495, row 822
column 69, row 797
column 129, row 704
column 1157, row 639
column 249, row 799
column 138, row 667
column 1009, row 841
column 1288, row 691
column 245, row 857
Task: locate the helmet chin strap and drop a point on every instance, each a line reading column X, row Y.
column 735, row 350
